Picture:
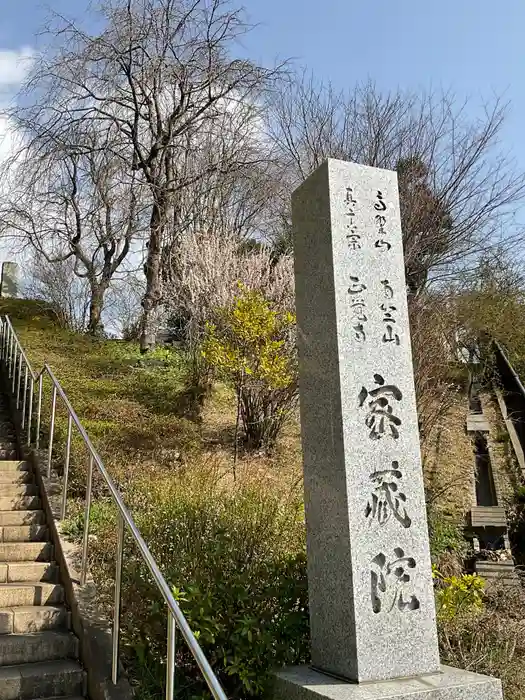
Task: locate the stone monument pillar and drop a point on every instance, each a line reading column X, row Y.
column 9, row 283
column 373, row 627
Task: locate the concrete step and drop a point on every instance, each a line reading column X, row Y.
column 18, row 490
column 10, row 518
column 15, row 478
column 23, row 533
column 492, row 569
column 14, row 465
column 12, row 594
column 41, row 646
column 34, row 618
column 497, row 571
column 487, row 516
column 26, row 551
column 29, row 572
column 20, row 503
column 49, row 679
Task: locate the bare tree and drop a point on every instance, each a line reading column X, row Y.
column 159, row 73
column 57, row 284
column 458, row 190
column 122, row 308
column 73, row 201
column 433, row 335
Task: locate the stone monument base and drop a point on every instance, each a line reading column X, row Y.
column 303, row 683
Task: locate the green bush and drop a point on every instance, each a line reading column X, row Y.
column 458, row 595
column 234, row 555
column 252, row 346
column 445, row 537
column 490, row 642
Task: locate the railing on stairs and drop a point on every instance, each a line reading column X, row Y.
column 23, row 383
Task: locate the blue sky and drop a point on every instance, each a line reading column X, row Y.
column 475, row 48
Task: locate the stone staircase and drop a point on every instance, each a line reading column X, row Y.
column 38, row 651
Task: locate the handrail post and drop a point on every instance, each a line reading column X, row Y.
column 30, row 409
column 66, row 465
column 19, row 380
column 11, row 354
column 6, row 341
column 9, row 347
column 39, row 411
column 24, row 400
column 83, row 573
column 170, row 660
column 118, row 587
column 13, row 363
column 5, row 336
column 51, row 431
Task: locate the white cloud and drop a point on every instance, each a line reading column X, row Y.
column 14, row 66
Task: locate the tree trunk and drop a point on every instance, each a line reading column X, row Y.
column 96, row 305
column 152, row 270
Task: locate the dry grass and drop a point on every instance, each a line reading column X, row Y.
column 142, row 421
column 140, row 416
column 448, row 463
column 505, row 468
column 491, row 642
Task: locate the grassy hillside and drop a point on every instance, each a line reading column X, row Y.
column 233, row 550
column 140, row 413
column 174, row 465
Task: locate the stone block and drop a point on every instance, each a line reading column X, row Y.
column 303, row 683
column 34, row 648
column 30, row 619
column 25, row 533
column 10, row 518
column 9, row 282
column 26, row 551
column 370, row 588
column 13, row 594
column 32, row 572
column 372, row 615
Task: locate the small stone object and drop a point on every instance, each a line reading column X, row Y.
column 370, row 587
column 9, row 283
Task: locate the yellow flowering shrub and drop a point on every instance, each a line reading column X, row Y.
column 458, row 595
column 252, row 345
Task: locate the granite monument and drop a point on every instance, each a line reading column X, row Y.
column 373, row 627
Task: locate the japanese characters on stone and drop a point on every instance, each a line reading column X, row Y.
column 382, row 242
column 386, row 498
column 353, row 236
column 379, row 404
column 356, row 289
column 358, row 306
column 389, row 313
column 391, row 576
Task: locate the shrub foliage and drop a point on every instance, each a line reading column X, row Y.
column 252, row 346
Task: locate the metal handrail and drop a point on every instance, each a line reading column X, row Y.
column 511, row 369
column 17, row 365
